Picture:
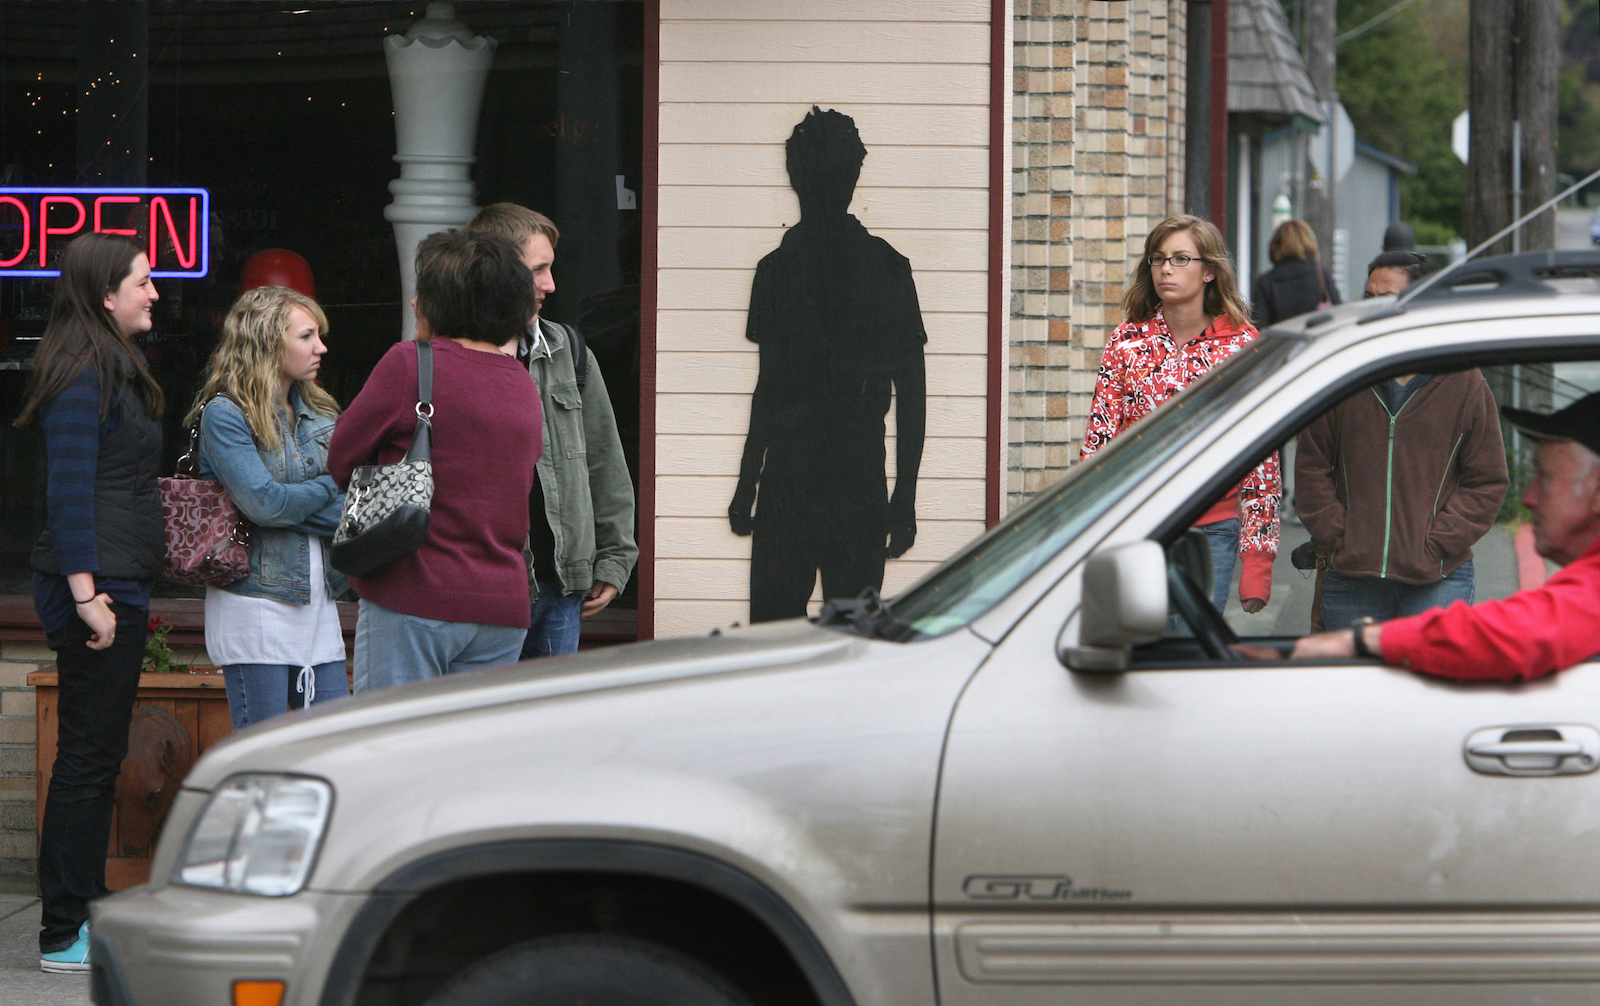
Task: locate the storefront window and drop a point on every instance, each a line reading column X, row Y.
column 283, row 114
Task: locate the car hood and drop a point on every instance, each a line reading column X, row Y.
column 725, row 652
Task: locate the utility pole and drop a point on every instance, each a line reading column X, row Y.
column 1491, row 102
column 1513, row 48
column 1537, row 50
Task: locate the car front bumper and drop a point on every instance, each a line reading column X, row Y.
column 185, row 946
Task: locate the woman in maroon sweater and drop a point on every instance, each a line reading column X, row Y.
column 461, row 600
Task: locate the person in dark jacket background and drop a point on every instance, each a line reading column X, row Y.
column 1399, row 481
column 1297, row 283
column 100, row 553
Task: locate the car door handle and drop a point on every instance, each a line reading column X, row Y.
column 1534, row 749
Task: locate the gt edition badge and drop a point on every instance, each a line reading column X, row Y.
column 1035, row 887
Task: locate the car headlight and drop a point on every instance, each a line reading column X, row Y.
column 258, row 835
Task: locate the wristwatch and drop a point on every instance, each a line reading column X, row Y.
column 1358, row 633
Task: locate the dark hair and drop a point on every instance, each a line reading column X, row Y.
column 1414, row 263
column 473, row 285
column 80, row 334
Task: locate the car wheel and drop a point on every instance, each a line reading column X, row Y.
column 591, row 970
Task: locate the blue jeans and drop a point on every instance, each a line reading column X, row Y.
column 1347, row 598
column 1224, row 539
column 396, row 649
column 258, row 692
column 557, row 623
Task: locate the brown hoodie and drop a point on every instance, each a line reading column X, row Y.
column 1403, row 497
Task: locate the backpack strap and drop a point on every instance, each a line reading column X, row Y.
column 580, row 355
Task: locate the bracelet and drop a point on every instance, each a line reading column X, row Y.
column 90, row 601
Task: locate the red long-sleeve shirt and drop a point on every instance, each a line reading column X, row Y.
column 1141, row 367
column 1527, row 635
column 487, row 435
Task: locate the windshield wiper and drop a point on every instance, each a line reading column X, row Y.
column 866, row 615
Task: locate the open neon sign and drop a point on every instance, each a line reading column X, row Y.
column 50, row 217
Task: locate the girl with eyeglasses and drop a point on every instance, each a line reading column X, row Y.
column 1184, row 315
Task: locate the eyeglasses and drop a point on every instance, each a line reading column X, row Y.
column 1178, row 261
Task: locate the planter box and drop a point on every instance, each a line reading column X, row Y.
column 175, row 718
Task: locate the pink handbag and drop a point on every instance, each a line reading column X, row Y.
column 208, row 541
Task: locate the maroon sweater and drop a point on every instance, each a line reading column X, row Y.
column 486, row 441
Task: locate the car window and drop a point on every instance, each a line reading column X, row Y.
column 986, row 571
column 1402, row 497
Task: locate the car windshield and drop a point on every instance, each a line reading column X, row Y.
column 982, row 574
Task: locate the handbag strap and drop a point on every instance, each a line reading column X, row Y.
column 186, row 463
column 425, row 375
column 422, row 440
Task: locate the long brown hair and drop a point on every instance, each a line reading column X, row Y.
column 80, row 334
column 248, row 361
column 1140, row 301
column 1294, row 239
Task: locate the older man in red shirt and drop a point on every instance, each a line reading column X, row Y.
column 1531, row 633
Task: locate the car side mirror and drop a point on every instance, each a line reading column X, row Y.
column 1124, row 605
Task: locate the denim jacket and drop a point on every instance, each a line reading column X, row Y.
column 287, row 494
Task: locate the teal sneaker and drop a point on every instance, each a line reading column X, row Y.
column 72, row 960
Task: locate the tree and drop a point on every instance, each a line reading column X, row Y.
column 1403, row 83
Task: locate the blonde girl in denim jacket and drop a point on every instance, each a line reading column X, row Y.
column 264, row 428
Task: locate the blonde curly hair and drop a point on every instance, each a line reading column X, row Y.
column 248, row 362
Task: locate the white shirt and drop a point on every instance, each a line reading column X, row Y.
column 259, row 630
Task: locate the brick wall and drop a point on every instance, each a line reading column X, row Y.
column 1097, row 160
column 18, row 757
column 17, row 784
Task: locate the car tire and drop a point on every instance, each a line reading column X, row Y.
column 592, row 970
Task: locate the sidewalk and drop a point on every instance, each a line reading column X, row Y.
column 21, row 981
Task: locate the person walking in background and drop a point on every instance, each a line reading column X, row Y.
column 100, row 553
column 1398, row 482
column 264, row 428
column 1393, row 271
column 1184, row 316
column 460, row 601
column 580, row 514
column 1297, row 283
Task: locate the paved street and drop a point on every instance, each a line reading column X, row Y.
column 1572, row 227
column 21, row 981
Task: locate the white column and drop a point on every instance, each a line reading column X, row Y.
column 436, row 73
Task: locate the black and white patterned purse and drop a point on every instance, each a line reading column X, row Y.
column 385, row 515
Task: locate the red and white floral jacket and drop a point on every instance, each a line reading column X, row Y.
column 1141, row 367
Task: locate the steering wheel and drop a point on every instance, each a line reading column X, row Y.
column 1211, row 631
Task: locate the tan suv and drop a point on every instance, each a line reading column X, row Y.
column 983, row 791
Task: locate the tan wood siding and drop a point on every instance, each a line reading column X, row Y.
column 735, row 78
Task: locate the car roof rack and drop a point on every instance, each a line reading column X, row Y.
column 1521, row 275
column 1502, row 275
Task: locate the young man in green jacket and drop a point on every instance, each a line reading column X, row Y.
column 581, row 508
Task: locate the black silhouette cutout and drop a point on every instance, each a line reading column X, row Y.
column 835, row 313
